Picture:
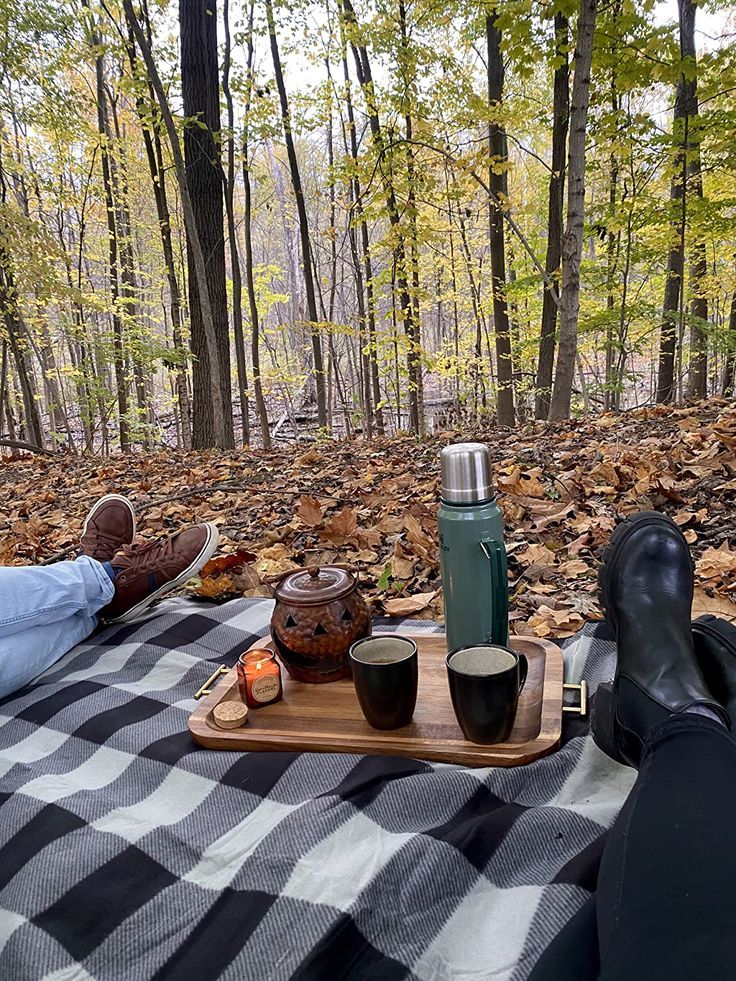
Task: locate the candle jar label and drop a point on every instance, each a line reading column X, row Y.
column 265, row 689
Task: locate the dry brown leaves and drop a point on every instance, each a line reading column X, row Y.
column 374, row 506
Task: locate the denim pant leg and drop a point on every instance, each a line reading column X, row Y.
column 44, row 612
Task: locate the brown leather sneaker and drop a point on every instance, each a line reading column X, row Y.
column 148, row 571
column 108, row 526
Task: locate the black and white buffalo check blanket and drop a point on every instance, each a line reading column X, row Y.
column 129, row 853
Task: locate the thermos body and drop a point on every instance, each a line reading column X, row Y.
column 472, row 551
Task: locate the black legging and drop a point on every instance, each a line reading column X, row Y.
column 665, row 907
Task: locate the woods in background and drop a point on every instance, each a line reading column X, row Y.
column 235, row 222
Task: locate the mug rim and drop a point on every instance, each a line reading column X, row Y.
column 383, row 664
column 472, row 647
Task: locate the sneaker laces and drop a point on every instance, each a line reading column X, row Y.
column 104, row 539
column 136, row 556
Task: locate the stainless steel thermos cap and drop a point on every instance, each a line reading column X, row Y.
column 466, row 473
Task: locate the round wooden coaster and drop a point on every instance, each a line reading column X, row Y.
column 230, row 715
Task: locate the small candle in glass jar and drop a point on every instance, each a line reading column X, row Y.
column 259, row 677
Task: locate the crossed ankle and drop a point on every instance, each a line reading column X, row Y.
column 707, row 713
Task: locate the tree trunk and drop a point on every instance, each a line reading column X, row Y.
column 232, row 235
column 498, row 183
column 728, row 386
column 572, row 241
column 200, row 90
column 365, row 78
column 560, row 119
column 129, row 289
column 220, row 392
column 154, row 156
column 411, row 212
column 121, row 381
column 248, row 235
column 15, row 330
column 697, row 382
column 302, row 217
column 366, row 309
column 686, row 106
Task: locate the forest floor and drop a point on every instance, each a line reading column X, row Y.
column 561, row 488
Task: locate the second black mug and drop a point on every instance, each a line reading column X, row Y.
column 485, row 683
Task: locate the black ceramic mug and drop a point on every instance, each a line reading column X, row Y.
column 485, row 683
column 386, row 672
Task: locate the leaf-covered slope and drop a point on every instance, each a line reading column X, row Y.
column 374, row 505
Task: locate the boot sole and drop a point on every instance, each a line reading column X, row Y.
column 206, row 553
column 104, row 500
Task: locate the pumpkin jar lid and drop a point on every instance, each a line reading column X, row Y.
column 314, row 586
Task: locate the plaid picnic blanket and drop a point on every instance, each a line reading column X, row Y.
column 127, row 852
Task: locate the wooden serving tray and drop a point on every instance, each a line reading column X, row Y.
column 327, row 718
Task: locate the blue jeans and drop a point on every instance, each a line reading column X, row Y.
column 44, row 612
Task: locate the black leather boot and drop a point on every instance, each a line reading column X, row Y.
column 715, row 649
column 646, row 587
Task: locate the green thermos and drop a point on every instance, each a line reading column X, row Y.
column 472, row 552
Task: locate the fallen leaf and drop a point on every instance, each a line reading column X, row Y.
column 716, row 563
column 416, row 535
column 514, row 481
column 223, row 563
column 274, row 560
column 404, row 606
column 547, row 622
column 340, row 528
column 217, row 588
column 309, row 511
column 718, row 605
column 537, row 555
column 575, row 567
column 402, row 564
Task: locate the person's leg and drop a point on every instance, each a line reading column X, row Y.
column 26, row 655
column 666, row 907
column 573, row 954
column 31, row 596
column 664, row 904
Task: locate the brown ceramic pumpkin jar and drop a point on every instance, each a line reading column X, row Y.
column 319, row 614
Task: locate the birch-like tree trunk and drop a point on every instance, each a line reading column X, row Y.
column 697, row 380
column 498, row 183
column 255, row 351
column 572, row 240
column 555, row 207
column 301, row 209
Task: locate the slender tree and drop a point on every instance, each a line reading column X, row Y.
column 361, row 251
column 555, row 206
column 498, row 183
column 697, row 381
column 150, row 126
column 232, row 237
column 572, row 241
column 301, row 209
column 673, row 304
column 103, row 129
column 399, row 263
column 248, row 237
column 728, row 384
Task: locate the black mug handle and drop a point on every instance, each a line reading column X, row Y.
column 523, row 671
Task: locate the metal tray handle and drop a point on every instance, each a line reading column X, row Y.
column 582, row 708
column 207, row 688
